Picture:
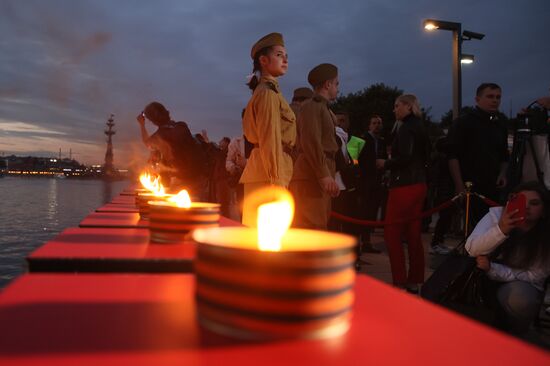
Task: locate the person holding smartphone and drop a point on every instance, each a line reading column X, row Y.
column 519, row 271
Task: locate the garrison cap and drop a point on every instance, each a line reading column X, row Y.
column 270, row 40
column 303, row 93
column 321, row 73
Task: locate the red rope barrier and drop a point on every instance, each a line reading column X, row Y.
column 487, row 201
column 424, row 214
column 371, row 223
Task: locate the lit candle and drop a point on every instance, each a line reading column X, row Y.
column 149, row 185
column 300, row 286
column 170, row 220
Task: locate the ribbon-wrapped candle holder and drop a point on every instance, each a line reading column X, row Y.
column 303, row 289
column 171, row 220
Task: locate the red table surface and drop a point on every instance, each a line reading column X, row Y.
column 128, row 220
column 55, row 319
column 114, row 220
column 105, row 243
column 120, row 207
column 120, row 199
column 112, row 250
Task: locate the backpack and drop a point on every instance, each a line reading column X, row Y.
column 188, row 154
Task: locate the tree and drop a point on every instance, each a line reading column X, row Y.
column 434, row 129
column 376, row 99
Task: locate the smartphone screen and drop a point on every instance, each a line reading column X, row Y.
column 517, row 202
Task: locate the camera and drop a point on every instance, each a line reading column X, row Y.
column 533, row 120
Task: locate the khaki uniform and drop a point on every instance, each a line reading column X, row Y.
column 317, row 147
column 270, row 125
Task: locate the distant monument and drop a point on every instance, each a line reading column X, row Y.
column 108, row 168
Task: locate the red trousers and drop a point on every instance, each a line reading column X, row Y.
column 405, row 202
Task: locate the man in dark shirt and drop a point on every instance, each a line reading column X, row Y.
column 370, row 182
column 478, row 149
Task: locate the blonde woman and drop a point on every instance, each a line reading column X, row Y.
column 410, row 152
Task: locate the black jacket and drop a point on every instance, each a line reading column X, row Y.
column 370, row 177
column 409, row 154
column 478, row 140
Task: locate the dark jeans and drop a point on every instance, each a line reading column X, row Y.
column 518, row 305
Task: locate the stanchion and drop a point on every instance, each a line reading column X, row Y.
column 468, row 186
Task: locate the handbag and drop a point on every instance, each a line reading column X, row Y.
column 462, row 287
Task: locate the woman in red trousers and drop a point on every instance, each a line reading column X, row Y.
column 407, row 166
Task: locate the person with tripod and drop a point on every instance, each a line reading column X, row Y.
column 478, row 149
column 530, row 158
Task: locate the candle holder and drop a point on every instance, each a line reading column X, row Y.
column 305, row 290
column 136, row 193
column 142, row 202
column 169, row 223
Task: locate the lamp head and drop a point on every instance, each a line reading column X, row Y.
column 469, row 35
column 466, row 58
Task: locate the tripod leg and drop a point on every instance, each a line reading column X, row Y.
column 540, row 174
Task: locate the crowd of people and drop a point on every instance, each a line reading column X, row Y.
column 306, row 147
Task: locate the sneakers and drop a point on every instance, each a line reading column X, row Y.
column 369, row 248
column 412, row 288
column 439, row 249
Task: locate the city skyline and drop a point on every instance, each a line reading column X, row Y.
column 66, row 66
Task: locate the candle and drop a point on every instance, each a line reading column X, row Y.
column 143, row 200
column 300, row 287
column 149, row 185
column 156, row 192
column 172, row 219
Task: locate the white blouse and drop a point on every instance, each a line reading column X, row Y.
column 486, row 237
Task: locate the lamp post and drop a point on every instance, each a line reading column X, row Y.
column 458, row 57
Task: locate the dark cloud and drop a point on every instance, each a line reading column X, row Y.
column 66, row 65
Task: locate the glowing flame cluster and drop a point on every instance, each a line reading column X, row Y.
column 181, row 199
column 274, row 219
column 152, row 185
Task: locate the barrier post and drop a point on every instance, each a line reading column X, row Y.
column 468, row 186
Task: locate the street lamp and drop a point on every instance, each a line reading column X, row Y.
column 466, row 58
column 458, row 57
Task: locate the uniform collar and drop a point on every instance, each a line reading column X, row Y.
column 320, row 98
column 271, row 80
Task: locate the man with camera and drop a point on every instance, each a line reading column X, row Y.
column 478, row 149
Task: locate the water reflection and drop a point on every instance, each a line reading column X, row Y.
column 107, row 191
column 33, row 210
column 51, row 210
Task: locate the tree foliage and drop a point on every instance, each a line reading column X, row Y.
column 376, row 99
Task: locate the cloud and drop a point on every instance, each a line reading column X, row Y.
column 66, row 65
column 26, row 128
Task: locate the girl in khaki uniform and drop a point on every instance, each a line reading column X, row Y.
column 268, row 123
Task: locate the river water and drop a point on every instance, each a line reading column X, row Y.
column 34, row 210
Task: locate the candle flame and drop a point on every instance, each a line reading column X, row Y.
column 152, row 185
column 181, row 199
column 274, row 217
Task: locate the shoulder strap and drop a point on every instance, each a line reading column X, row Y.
column 271, row 86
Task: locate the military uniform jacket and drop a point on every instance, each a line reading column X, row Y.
column 270, row 125
column 317, row 144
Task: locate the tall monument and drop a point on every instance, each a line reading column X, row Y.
column 108, row 168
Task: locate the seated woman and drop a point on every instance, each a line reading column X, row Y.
column 522, row 264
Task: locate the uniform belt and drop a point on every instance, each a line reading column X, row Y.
column 286, row 148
